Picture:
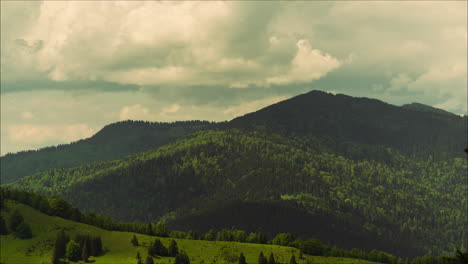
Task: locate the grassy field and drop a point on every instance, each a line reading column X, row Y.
column 118, row 249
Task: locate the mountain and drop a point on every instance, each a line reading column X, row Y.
column 410, row 129
column 333, row 167
column 413, row 129
column 399, row 206
column 426, row 108
column 112, row 142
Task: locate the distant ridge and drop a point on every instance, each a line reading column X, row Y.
column 114, row 141
column 364, row 120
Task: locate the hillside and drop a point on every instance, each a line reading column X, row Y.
column 411, row 129
column 112, row 142
column 399, row 204
column 119, row 250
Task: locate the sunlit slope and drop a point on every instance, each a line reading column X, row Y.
column 119, row 249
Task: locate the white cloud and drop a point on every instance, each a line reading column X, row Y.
column 37, row 134
column 308, row 65
column 251, row 106
column 27, row 115
column 135, row 112
column 196, row 43
column 171, row 109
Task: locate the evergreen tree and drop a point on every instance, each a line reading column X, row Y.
column 59, row 247
column 149, row 260
column 210, row 235
column 242, row 259
column 173, row 249
column 138, row 255
column 149, row 229
column 157, row 249
column 3, row 227
column 23, row 231
column 98, row 245
column 262, row 259
column 73, row 252
column 293, row 260
column 160, row 230
column 271, row 259
column 135, row 241
column 15, row 220
column 182, row 258
column 85, row 252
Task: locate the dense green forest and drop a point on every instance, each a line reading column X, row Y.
column 112, row 142
column 413, row 129
column 84, row 246
column 352, row 172
column 396, row 201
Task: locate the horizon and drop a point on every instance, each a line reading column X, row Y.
column 201, row 120
column 70, row 68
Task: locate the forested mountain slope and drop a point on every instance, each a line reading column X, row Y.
column 400, row 204
column 112, row 142
column 413, row 129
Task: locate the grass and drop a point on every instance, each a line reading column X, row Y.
column 119, row 250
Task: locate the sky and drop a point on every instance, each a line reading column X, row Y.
column 70, row 68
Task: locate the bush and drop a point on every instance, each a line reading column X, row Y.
column 73, row 251
column 23, row 231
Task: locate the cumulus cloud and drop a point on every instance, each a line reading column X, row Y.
column 27, row 115
column 201, row 43
column 36, row 134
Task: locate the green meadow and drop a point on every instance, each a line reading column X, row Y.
column 119, row 250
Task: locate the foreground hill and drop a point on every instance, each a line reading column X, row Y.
column 402, row 205
column 112, row 142
column 119, row 250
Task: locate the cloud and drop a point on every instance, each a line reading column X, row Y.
column 135, row 112
column 247, row 107
column 37, row 134
column 201, row 43
column 27, row 115
column 171, row 109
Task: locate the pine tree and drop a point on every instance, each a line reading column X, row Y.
column 59, row 247
column 157, row 249
column 160, row 230
column 149, row 260
column 23, row 231
column 242, row 259
column 173, row 249
column 98, row 246
column 85, row 252
column 135, row 241
column 149, row 229
column 262, row 259
column 210, row 235
column 15, row 220
column 182, row 258
column 3, row 227
column 293, row 260
column 271, row 259
column 73, row 252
